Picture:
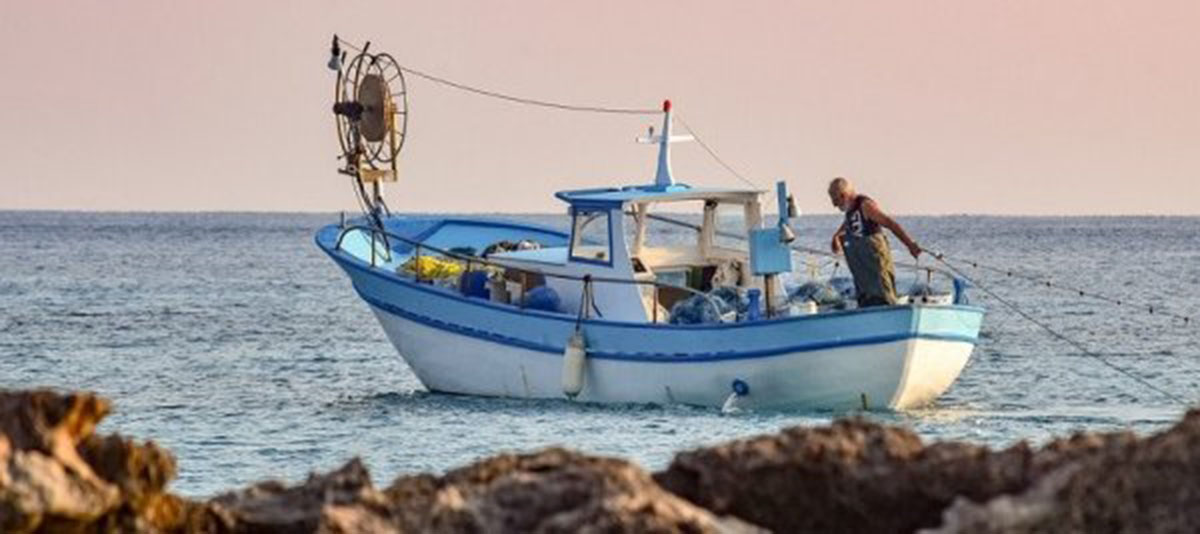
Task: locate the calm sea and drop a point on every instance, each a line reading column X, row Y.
column 231, row 340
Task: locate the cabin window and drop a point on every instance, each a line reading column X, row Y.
column 730, row 230
column 591, row 236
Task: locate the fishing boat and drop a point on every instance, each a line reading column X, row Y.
column 614, row 310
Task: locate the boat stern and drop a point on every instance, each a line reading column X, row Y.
column 936, row 354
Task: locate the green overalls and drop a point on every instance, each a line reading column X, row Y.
column 869, row 258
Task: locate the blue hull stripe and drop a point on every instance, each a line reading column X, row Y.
column 647, row 357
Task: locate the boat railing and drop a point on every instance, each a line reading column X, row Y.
column 471, row 260
column 917, row 268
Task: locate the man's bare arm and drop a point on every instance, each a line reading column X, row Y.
column 836, row 245
column 872, row 211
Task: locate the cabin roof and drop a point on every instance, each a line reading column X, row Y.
column 619, row 196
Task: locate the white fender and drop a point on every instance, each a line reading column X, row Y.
column 572, row 369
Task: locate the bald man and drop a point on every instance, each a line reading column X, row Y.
column 865, row 245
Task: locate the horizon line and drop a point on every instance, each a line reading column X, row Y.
column 520, row 213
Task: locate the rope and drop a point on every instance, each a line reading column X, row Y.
column 511, row 98
column 958, row 272
column 528, row 101
column 565, row 107
column 583, row 301
column 587, row 301
column 1042, row 281
column 714, row 155
column 1079, row 346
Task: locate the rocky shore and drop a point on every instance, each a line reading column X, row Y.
column 58, row 476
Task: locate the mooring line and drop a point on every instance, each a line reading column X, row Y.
column 1079, row 346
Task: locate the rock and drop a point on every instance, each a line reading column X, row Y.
column 549, row 491
column 343, row 501
column 1146, row 486
column 37, row 489
column 43, row 480
column 1006, row 513
column 52, row 424
column 56, row 476
column 139, row 470
column 858, row 476
column 552, row 491
column 59, row 477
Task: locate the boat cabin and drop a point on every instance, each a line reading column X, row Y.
column 616, row 236
column 638, row 279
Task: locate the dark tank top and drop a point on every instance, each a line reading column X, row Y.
column 858, row 225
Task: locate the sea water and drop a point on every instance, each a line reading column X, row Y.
column 233, row 341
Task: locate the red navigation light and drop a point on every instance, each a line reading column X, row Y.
column 666, row 106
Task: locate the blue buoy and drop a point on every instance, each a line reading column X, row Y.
column 543, row 298
column 475, row 284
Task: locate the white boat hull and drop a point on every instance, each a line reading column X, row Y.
column 897, row 374
column 457, row 341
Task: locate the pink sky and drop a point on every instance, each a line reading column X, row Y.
column 1015, row 107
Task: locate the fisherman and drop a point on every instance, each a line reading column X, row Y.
column 865, row 245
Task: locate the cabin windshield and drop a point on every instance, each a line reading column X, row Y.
column 694, row 244
column 730, row 231
column 676, row 224
column 591, row 235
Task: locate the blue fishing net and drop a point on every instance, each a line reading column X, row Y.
column 823, row 293
column 845, row 286
column 697, row 309
column 918, row 288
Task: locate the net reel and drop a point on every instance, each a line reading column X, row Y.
column 371, row 111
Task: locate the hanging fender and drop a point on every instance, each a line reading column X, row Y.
column 574, row 357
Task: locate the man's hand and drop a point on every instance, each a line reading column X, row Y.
column 914, row 249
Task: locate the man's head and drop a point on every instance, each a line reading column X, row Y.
column 841, row 193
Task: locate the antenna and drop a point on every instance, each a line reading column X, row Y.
column 662, row 176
